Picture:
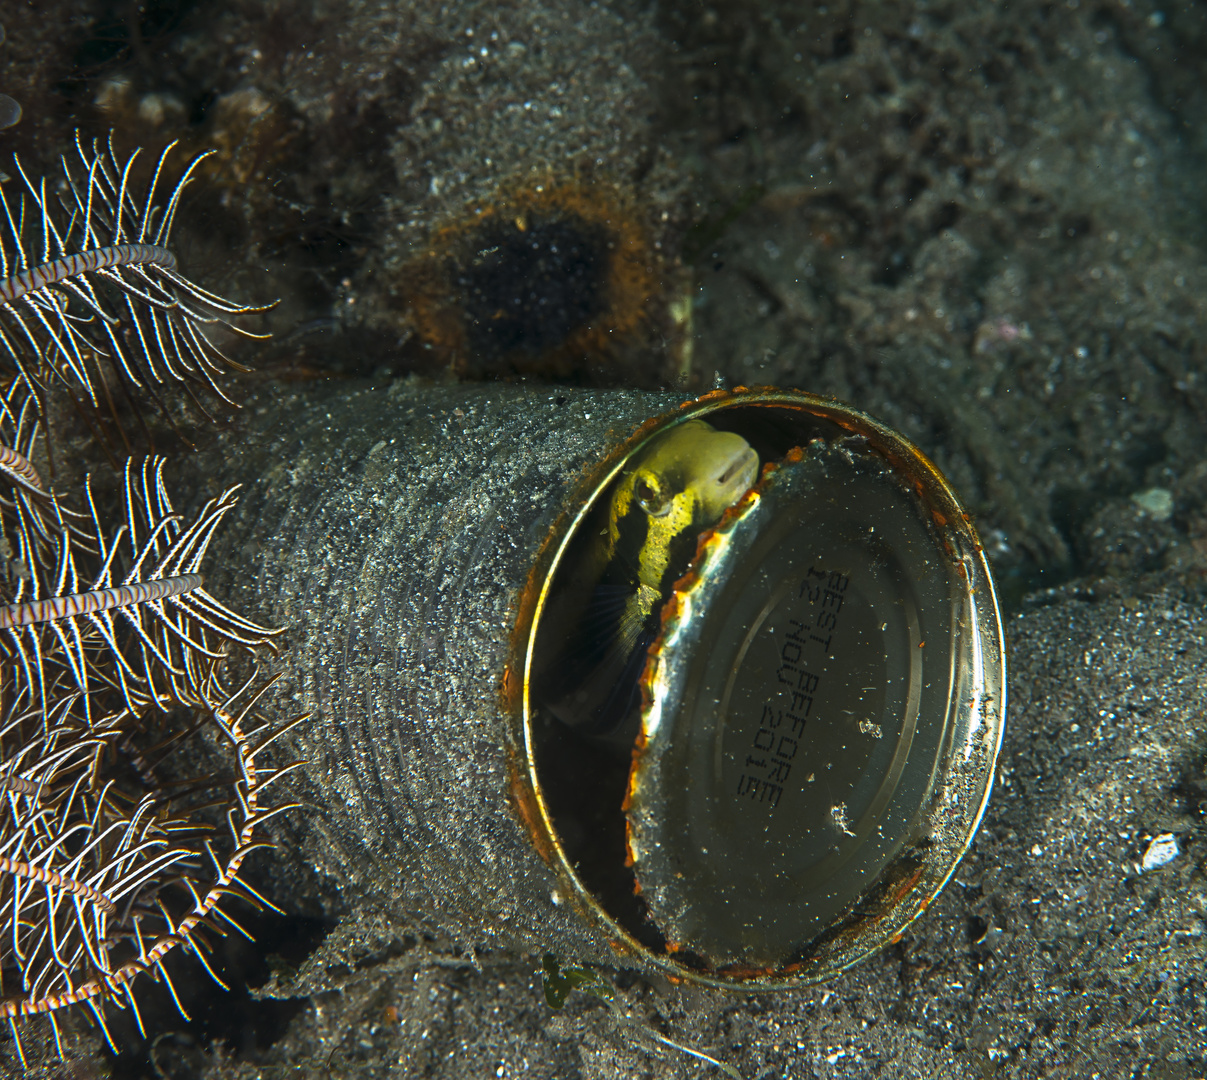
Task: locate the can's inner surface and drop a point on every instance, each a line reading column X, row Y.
column 788, row 781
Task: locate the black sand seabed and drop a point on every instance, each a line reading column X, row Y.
column 982, row 223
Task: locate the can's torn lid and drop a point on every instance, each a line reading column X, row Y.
column 796, row 710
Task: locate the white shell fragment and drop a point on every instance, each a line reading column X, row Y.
column 1163, row 849
column 10, row 111
column 1156, row 502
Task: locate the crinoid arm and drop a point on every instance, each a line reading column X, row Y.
column 122, row 834
column 123, row 611
column 92, row 302
column 133, row 779
column 102, row 874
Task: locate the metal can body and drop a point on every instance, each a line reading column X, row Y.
column 393, row 531
column 410, row 538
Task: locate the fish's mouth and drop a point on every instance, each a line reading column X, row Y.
column 739, row 476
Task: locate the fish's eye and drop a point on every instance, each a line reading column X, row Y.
column 649, row 496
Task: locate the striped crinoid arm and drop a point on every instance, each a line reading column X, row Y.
column 105, row 869
column 180, row 635
column 90, row 292
column 113, row 851
column 125, row 613
column 42, row 661
column 23, row 488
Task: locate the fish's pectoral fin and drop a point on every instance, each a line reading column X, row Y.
column 598, row 703
column 633, row 618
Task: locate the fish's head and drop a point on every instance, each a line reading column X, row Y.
column 684, row 481
column 693, row 473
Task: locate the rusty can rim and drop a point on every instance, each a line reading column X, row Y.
column 911, row 892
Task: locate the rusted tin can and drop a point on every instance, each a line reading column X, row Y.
column 819, row 704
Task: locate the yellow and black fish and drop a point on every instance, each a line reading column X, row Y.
column 681, row 483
